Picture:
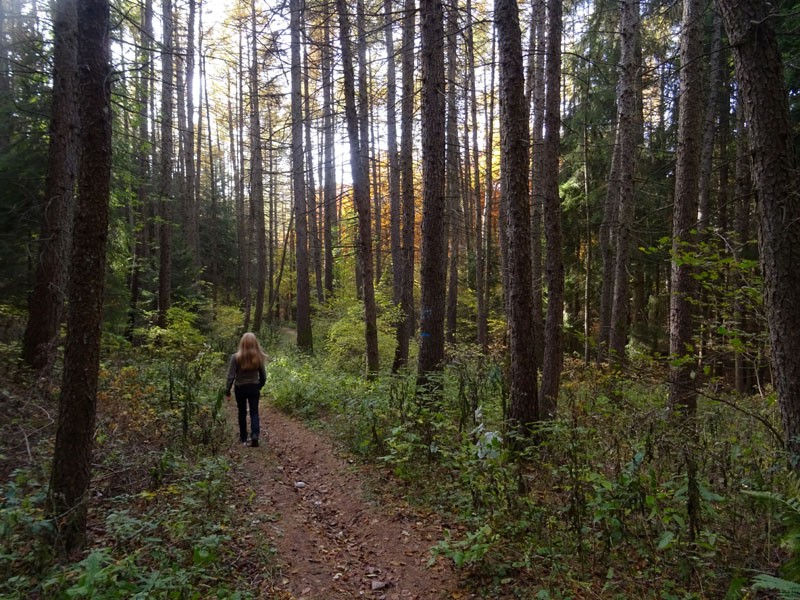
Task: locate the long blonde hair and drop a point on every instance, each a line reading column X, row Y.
column 250, row 356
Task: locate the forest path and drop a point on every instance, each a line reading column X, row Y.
column 332, row 543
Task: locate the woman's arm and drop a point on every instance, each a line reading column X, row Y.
column 231, row 375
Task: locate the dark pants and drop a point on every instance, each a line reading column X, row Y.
column 248, row 394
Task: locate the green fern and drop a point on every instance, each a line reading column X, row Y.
column 787, row 590
column 788, row 509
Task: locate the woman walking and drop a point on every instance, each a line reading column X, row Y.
column 247, row 374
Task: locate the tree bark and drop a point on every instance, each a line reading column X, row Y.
column 272, row 238
column 607, row 236
column 480, row 269
column 5, row 82
column 537, row 102
column 190, row 183
column 238, row 193
column 71, row 471
column 709, row 125
column 587, row 283
column 682, row 392
column 406, row 327
column 143, row 185
column 523, row 404
column 244, row 238
column 626, row 143
column 330, row 166
column 316, row 250
column 360, row 192
column 304, row 334
column 488, row 204
column 453, row 168
column 165, row 172
column 432, row 267
column 551, row 211
column 684, row 220
column 759, row 71
column 257, row 171
column 744, row 196
column 377, row 199
column 395, row 217
column 213, row 259
column 46, row 301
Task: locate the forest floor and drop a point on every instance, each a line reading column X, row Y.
column 333, row 537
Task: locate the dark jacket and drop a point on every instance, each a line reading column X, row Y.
column 244, row 376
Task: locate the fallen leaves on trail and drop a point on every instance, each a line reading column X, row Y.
column 331, row 543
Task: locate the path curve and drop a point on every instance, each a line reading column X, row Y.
column 332, row 543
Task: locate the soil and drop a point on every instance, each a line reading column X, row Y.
column 332, row 541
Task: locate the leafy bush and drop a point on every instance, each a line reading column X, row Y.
column 596, row 500
column 341, row 325
column 179, row 338
column 225, row 328
column 172, row 543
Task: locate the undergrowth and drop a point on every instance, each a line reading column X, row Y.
column 163, row 519
column 594, row 505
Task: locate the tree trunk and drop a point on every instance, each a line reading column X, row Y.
column 143, row 187
column 395, row 217
column 523, row 405
column 316, row 250
column 487, row 208
column 682, row 393
column 213, row 260
column 587, row 283
column 360, row 191
column 467, row 208
column 304, row 334
column 432, row 265
column 551, row 210
column 272, row 239
column 626, row 143
column 377, row 200
column 744, row 196
column 724, row 110
column 704, row 223
column 607, row 236
column 687, row 177
column 480, row 269
column 330, row 166
column 257, row 174
column 406, row 327
column 453, row 182
column 759, row 71
column 363, row 126
column 46, row 301
column 537, row 102
column 244, row 239
column 190, row 183
column 6, row 99
column 238, row 193
column 165, row 173
column 709, row 124
column 71, row 471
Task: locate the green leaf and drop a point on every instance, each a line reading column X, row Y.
column 459, row 558
column 710, row 496
column 665, row 540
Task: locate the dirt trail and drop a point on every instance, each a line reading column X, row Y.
column 332, row 543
